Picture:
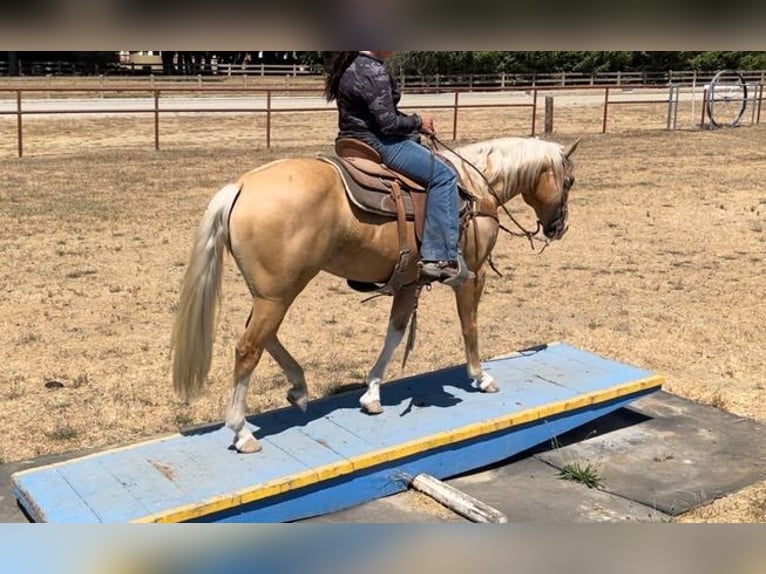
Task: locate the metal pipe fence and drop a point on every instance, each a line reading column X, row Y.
column 157, row 96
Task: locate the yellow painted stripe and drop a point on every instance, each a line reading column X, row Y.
column 396, row 452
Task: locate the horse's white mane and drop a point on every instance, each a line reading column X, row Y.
column 512, row 164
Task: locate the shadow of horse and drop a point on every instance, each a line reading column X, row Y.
column 436, row 390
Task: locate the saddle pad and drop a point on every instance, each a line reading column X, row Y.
column 370, row 200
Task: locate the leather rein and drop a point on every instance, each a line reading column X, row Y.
column 530, row 235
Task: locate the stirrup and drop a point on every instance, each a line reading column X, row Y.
column 463, row 273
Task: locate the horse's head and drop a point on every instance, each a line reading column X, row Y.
column 550, row 195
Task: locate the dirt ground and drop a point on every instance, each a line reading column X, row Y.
column 663, row 268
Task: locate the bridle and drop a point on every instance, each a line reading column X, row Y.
column 530, row 235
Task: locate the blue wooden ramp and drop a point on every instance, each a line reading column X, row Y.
column 334, row 456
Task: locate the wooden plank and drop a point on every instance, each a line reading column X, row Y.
column 334, row 455
column 47, row 497
column 393, row 477
column 432, row 407
column 345, row 445
column 197, row 466
column 296, row 443
column 97, row 486
column 206, row 467
column 143, row 478
column 566, row 366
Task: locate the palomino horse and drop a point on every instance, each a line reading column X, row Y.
column 290, row 219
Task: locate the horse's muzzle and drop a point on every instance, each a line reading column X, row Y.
column 557, row 228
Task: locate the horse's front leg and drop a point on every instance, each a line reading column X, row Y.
column 467, row 296
column 401, row 311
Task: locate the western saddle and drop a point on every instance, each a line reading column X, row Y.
column 375, row 188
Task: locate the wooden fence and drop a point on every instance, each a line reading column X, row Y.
column 249, row 75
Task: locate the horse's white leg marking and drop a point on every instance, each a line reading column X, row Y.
column 484, row 381
column 298, row 395
column 265, row 320
column 401, row 310
column 244, row 440
column 370, row 400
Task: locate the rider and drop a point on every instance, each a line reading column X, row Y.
column 367, row 97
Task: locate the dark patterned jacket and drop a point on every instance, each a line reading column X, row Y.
column 367, row 100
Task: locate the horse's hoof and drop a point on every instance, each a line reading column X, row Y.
column 298, row 401
column 491, row 388
column 248, row 445
column 373, row 408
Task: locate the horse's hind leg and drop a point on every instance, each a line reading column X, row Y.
column 266, row 318
column 298, row 394
column 401, row 311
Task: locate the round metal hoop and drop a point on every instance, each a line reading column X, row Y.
column 727, row 99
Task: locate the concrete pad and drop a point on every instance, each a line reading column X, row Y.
column 407, row 507
column 682, row 456
column 531, row 491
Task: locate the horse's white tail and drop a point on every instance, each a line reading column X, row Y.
column 194, row 329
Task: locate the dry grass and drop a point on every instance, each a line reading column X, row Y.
column 663, row 268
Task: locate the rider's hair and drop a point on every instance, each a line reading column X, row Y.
column 339, row 63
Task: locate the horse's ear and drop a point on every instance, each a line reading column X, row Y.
column 572, row 148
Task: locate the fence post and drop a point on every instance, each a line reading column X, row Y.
column 548, row 115
column 156, row 120
column 19, row 130
column 606, row 107
column 534, row 111
column 694, row 96
column 454, row 116
column 268, row 119
column 704, row 105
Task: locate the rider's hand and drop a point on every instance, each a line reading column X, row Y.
column 427, row 125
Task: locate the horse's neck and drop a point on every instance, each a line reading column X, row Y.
column 491, row 188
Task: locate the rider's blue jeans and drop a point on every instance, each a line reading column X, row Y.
column 442, row 228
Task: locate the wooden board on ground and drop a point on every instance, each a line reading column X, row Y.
column 334, row 456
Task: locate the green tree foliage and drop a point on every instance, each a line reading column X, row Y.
column 447, row 62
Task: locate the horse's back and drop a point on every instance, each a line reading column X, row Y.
column 287, row 206
column 296, row 210
column 290, row 174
